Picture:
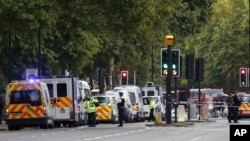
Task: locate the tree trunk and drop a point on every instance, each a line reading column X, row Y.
column 110, row 71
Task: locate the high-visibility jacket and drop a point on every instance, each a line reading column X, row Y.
column 152, row 104
column 90, row 105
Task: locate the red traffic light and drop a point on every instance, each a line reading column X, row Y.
column 243, row 71
column 124, row 74
column 124, row 77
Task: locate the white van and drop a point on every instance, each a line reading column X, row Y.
column 135, row 95
column 128, row 113
column 159, row 106
column 67, row 93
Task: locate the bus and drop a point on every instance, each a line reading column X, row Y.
column 212, row 98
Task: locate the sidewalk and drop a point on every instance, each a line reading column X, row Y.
column 3, row 126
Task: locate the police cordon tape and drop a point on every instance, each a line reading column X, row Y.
column 223, row 104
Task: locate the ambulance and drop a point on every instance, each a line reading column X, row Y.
column 244, row 109
column 28, row 104
column 67, row 94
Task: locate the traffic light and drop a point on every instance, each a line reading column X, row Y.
column 165, row 63
column 124, row 77
column 176, row 63
column 189, row 66
column 199, row 69
column 243, row 77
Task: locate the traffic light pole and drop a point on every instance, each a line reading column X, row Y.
column 168, row 88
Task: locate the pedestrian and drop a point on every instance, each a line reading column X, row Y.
column 230, row 106
column 152, row 107
column 120, row 105
column 237, row 104
column 90, row 105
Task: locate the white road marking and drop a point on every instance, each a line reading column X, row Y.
column 125, row 133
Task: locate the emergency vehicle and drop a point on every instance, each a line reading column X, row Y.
column 135, row 96
column 159, row 106
column 107, row 109
column 28, row 104
column 67, row 94
column 128, row 115
column 151, row 90
column 244, row 109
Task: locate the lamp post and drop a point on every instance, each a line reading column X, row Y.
column 169, row 41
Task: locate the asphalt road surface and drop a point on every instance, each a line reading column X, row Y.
column 199, row 131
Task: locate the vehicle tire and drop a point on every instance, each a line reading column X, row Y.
column 44, row 126
column 51, row 126
column 57, row 124
column 10, row 128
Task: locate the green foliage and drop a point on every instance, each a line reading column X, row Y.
column 224, row 40
column 82, row 35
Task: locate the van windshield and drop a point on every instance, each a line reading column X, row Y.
column 103, row 100
column 31, row 97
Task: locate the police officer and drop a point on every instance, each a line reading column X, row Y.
column 89, row 104
column 237, row 104
column 231, row 109
column 152, row 106
column 120, row 105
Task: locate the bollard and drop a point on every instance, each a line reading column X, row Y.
column 158, row 116
column 193, row 111
column 181, row 113
column 175, row 111
column 204, row 112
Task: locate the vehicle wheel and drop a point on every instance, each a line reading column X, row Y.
column 44, row 126
column 10, row 128
column 57, row 124
column 51, row 126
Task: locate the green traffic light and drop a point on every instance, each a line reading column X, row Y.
column 174, row 66
column 165, row 66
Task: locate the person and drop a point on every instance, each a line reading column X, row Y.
column 89, row 104
column 230, row 105
column 120, row 105
column 237, row 104
column 152, row 106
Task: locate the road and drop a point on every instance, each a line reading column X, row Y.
column 199, row 131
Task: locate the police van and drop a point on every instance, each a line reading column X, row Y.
column 67, row 94
column 107, row 110
column 160, row 107
column 128, row 112
column 28, row 104
column 135, row 95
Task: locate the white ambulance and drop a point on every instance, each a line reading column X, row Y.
column 67, row 94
